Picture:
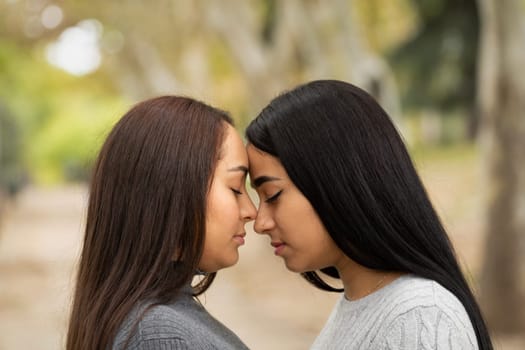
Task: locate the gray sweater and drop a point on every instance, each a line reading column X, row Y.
column 411, row 313
column 184, row 324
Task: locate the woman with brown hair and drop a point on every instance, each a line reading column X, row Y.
column 167, row 201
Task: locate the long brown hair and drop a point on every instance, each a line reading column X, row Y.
column 146, row 215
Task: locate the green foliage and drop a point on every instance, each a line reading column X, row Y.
column 66, row 146
column 11, row 174
column 437, row 66
column 427, row 127
column 454, row 153
column 60, row 119
column 387, row 24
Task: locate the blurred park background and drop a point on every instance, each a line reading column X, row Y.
column 447, row 71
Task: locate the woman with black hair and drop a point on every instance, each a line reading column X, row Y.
column 167, row 201
column 339, row 193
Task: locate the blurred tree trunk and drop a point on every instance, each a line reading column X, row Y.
column 141, row 71
column 501, row 100
column 236, row 23
column 273, row 44
column 369, row 71
column 298, row 41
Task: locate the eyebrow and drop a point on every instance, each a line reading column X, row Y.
column 262, row 179
column 241, row 168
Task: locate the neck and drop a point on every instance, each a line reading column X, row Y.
column 360, row 281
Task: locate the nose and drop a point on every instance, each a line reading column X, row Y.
column 248, row 210
column 263, row 222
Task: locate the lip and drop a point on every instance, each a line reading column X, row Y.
column 239, row 238
column 279, row 246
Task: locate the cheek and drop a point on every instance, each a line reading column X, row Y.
column 302, row 226
column 297, row 215
column 222, row 208
column 217, row 255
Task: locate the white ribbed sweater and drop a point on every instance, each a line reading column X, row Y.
column 408, row 314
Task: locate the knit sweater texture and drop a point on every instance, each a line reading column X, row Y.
column 181, row 325
column 408, row 314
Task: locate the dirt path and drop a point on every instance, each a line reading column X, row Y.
column 38, row 246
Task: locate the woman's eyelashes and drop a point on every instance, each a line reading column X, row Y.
column 237, row 192
column 274, row 197
column 238, row 188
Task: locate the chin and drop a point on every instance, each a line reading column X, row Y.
column 230, row 262
column 216, row 265
column 295, row 268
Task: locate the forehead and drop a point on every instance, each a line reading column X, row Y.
column 264, row 164
column 232, row 152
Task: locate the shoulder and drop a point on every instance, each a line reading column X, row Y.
column 184, row 324
column 162, row 324
column 165, row 321
column 415, row 294
column 426, row 315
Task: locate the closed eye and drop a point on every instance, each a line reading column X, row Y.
column 274, row 197
column 237, row 192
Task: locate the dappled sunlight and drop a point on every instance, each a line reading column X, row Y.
column 77, row 50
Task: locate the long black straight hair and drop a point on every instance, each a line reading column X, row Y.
column 145, row 226
column 342, row 151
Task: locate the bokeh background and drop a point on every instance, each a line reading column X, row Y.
column 449, row 72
